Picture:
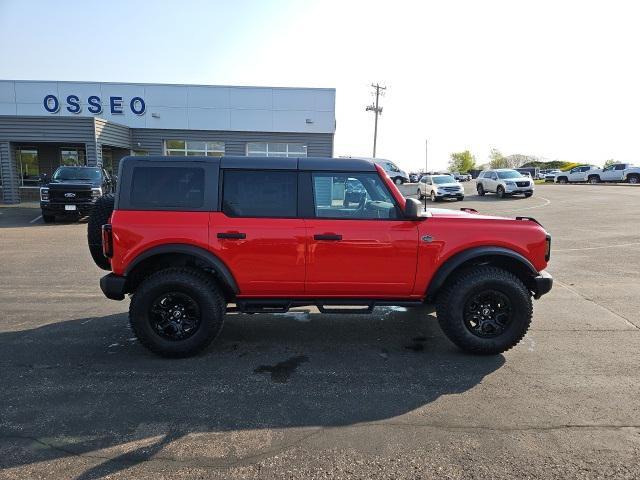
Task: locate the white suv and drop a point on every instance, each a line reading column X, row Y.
column 504, row 181
column 438, row 187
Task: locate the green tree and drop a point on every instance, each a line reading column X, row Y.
column 496, row 159
column 609, row 162
column 462, row 162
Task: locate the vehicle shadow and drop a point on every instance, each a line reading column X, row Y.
column 84, row 386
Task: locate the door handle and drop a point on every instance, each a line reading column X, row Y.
column 232, row 235
column 328, row 236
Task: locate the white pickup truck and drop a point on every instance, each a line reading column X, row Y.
column 577, row 174
column 618, row 172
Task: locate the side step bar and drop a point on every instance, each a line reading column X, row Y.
column 328, row 306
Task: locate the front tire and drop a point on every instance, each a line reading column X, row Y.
column 500, row 191
column 480, row 190
column 177, row 312
column 48, row 218
column 433, row 197
column 399, row 181
column 459, row 199
column 563, row 180
column 594, row 179
column 635, row 179
column 486, row 310
column 527, row 195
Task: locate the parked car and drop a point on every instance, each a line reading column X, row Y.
column 577, row 174
column 398, row 176
column 461, row 177
column 504, row 182
column 618, row 172
column 269, row 234
column 541, row 174
column 73, row 191
column 551, row 175
column 439, row 187
column 414, row 177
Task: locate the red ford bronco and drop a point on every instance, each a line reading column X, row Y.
column 187, row 237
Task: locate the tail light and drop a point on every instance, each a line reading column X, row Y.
column 107, row 241
column 547, row 253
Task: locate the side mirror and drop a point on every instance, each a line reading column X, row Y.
column 43, row 178
column 412, row 209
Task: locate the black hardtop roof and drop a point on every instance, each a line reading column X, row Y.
column 269, row 163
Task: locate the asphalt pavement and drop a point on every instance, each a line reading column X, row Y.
column 305, row 395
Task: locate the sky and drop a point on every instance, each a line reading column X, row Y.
column 554, row 79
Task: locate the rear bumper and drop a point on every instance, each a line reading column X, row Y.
column 543, row 283
column 113, row 286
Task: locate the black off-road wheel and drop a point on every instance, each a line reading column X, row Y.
column 177, row 312
column 485, row 311
column 100, row 215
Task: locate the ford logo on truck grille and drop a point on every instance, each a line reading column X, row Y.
column 69, row 195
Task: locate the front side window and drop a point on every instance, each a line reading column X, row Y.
column 260, row 193
column 182, row 148
column 264, row 149
column 352, row 196
column 620, row 167
column 167, row 187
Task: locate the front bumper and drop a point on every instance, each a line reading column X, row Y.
column 113, row 286
column 543, row 283
column 82, row 209
column 450, row 195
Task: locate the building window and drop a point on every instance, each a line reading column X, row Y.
column 72, row 157
column 260, row 149
column 182, row 148
column 29, row 168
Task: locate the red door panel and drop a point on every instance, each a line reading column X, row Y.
column 361, row 258
column 265, row 255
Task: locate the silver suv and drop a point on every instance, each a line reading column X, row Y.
column 504, row 181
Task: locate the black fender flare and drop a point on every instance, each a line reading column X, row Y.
column 476, row 253
column 217, row 265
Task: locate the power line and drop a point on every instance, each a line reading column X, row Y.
column 377, row 110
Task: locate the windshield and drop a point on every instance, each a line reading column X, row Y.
column 509, row 174
column 76, row 173
column 391, row 167
column 444, row 179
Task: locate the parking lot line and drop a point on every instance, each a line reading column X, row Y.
column 36, row 219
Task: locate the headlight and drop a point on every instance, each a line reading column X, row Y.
column 510, row 184
column 96, row 192
column 44, row 194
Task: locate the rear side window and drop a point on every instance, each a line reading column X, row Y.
column 260, row 193
column 167, row 187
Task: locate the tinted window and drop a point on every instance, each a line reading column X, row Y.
column 621, row 167
column 76, row 173
column 260, row 193
column 170, row 187
column 352, row 196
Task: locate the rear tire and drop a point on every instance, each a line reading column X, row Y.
column 177, row 312
column 102, row 210
column 594, row 179
column 486, row 310
column 562, row 180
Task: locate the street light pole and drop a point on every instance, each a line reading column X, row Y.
column 426, row 166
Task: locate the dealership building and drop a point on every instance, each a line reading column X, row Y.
column 47, row 124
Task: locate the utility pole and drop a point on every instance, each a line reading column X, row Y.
column 377, row 110
column 426, row 166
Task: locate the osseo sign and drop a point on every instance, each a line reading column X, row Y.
column 116, row 105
